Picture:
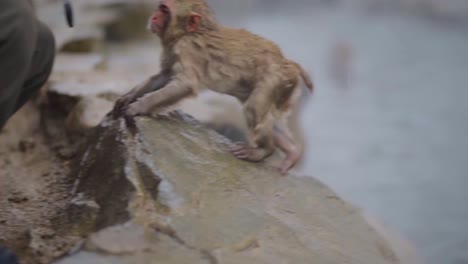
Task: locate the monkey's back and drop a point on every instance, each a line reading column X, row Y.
column 251, row 55
column 241, row 43
column 235, row 61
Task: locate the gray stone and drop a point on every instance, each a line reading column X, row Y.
column 168, row 191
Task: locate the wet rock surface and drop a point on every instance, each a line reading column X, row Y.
column 33, row 188
column 168, row 191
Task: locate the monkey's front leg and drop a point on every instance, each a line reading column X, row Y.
column 154, row 83
column 167, row 96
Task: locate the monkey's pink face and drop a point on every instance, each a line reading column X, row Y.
column 160, row 19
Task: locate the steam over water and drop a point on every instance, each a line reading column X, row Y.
column 394, row 139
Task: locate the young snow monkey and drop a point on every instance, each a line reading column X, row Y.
column 199, row 53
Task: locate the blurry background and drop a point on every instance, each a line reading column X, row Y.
column 387, row 126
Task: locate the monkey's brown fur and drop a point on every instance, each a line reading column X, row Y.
column 198, row 52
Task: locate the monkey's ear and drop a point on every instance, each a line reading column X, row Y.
column 193, row 22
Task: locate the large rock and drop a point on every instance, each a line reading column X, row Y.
column 166, row 190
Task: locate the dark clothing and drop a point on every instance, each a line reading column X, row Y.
column 27, row 52
column 6, row 256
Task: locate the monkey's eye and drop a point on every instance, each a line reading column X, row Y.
column 164, row 9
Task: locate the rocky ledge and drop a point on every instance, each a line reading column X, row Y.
column 166, row 190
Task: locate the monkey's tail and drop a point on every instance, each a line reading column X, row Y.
column 305, row 77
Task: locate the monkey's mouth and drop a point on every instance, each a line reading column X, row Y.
column 155, row 29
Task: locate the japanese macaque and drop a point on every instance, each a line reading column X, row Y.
column 200, row 53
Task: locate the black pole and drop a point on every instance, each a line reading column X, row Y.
column 68, row 12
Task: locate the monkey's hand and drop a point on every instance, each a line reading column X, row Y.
column 154, row 83
column 139, row 107
column 121, row 105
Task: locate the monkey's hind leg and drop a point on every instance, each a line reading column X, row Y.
column 260, row 123
column 284, row 141
column 282, row 135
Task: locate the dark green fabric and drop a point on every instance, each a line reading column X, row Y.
column 27, row 51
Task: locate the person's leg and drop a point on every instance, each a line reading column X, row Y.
column 17, row 42
column 27, row 51
column 41, row 65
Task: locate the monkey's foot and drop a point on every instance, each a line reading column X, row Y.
column 245, row 152
column 292, row 157
column 241, row 150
